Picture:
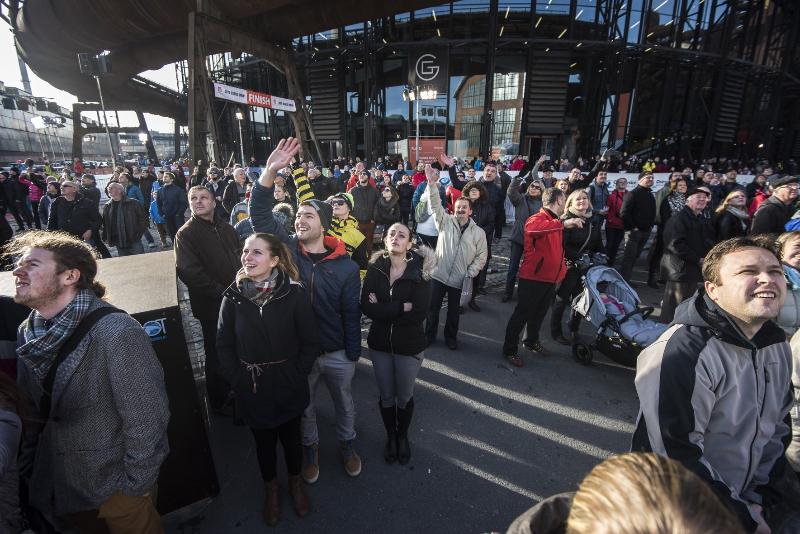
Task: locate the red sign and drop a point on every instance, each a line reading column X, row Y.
column 259, row 99
column 429, row 149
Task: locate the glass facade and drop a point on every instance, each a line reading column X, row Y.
column 677, row 77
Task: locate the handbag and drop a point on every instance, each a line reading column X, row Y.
column 466, row 291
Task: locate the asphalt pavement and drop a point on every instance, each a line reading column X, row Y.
column 488, row 440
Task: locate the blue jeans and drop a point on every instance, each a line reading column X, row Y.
column 513, row 268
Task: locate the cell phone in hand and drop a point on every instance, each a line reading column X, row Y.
column 547, row 158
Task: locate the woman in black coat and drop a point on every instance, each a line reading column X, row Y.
column 387, row 208
column 483, row 213
column 267, row 343
column 577, row 242
column 731, row 218
column 395, row 296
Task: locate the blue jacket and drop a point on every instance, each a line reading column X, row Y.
column 171, row 200
column 135, row 193
column 334, row 282
column 157, row 218
column 421, row 189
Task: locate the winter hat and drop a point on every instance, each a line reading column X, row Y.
column 347, row 197
column 324, row 210
column 776, row 180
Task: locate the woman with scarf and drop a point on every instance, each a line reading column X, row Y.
column 345, row 227
column 387, row 209
column 671, row 204
column 395, row 296
column 483, row 213
column 267, row 342
column 731, row 218
column 577, row 242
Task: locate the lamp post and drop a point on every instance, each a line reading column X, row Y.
column 240, row 117
column 415, row 94
column 105, row 121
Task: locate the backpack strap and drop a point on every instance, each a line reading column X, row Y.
column 67, row 347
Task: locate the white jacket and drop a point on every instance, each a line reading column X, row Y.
column 459, row 254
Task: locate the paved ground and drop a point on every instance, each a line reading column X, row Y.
column 488, row 440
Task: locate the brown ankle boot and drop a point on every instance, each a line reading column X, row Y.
column 272, row 503
column 298, row 495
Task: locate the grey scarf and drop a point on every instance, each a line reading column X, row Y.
column 44, row 337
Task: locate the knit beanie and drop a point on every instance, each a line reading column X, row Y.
column 347, row 197
column 324, row 210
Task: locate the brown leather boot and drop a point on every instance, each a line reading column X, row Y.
column 298, row 495
column 272, row 503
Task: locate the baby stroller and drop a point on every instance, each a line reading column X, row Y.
column 614, row 308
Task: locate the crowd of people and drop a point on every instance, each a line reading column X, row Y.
column 281, row 266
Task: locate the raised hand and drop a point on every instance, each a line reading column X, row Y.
column 446, row 161
column 282, row 156
column 431, row 174
column 542, row 159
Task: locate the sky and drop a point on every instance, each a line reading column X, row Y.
column 10, row 75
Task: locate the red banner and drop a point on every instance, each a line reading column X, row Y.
column 429, row 149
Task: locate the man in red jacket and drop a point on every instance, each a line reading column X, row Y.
column 542, row 269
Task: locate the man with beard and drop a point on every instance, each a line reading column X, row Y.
column 335, row 287
column 97, row 431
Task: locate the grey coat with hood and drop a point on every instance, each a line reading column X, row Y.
column 717, row 402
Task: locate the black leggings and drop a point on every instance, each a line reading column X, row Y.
column 291, row 440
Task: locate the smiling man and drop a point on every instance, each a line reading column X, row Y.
column 715, row 389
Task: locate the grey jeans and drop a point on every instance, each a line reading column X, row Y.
column 395, row 375
column 336, row 370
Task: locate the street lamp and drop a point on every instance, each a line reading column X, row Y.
column 240, row 118
column 415, row 94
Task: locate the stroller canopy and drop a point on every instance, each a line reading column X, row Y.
column 588, row 303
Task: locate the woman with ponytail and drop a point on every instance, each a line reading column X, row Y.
column 395, row 296
column 267, row 342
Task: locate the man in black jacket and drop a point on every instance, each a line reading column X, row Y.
column 124, row 222
column 171, row 204
column 207, row 253
column 497, row 198
column 365, row 196
column 73, row 213
column 688, row 236
column 638, row 213
column 772, row 214
column 89, row 188
column 235, row 190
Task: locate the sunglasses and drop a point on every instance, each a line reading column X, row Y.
column 338, row 202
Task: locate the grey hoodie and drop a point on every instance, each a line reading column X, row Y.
column 717, row 402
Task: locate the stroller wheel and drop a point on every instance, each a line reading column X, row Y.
column 582, row 353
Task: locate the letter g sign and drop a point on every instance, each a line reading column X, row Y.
column 426, row 67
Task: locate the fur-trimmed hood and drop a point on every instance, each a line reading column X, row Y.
column 422, row 259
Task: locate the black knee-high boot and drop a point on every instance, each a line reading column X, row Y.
column 555, row 321
column 404, row 416
column 389, row 417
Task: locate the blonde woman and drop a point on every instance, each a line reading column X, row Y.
column 731, row 218
column 578, row 240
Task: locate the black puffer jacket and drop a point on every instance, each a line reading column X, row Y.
column 283, row 330
column 406, row 193
column 394, row 330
